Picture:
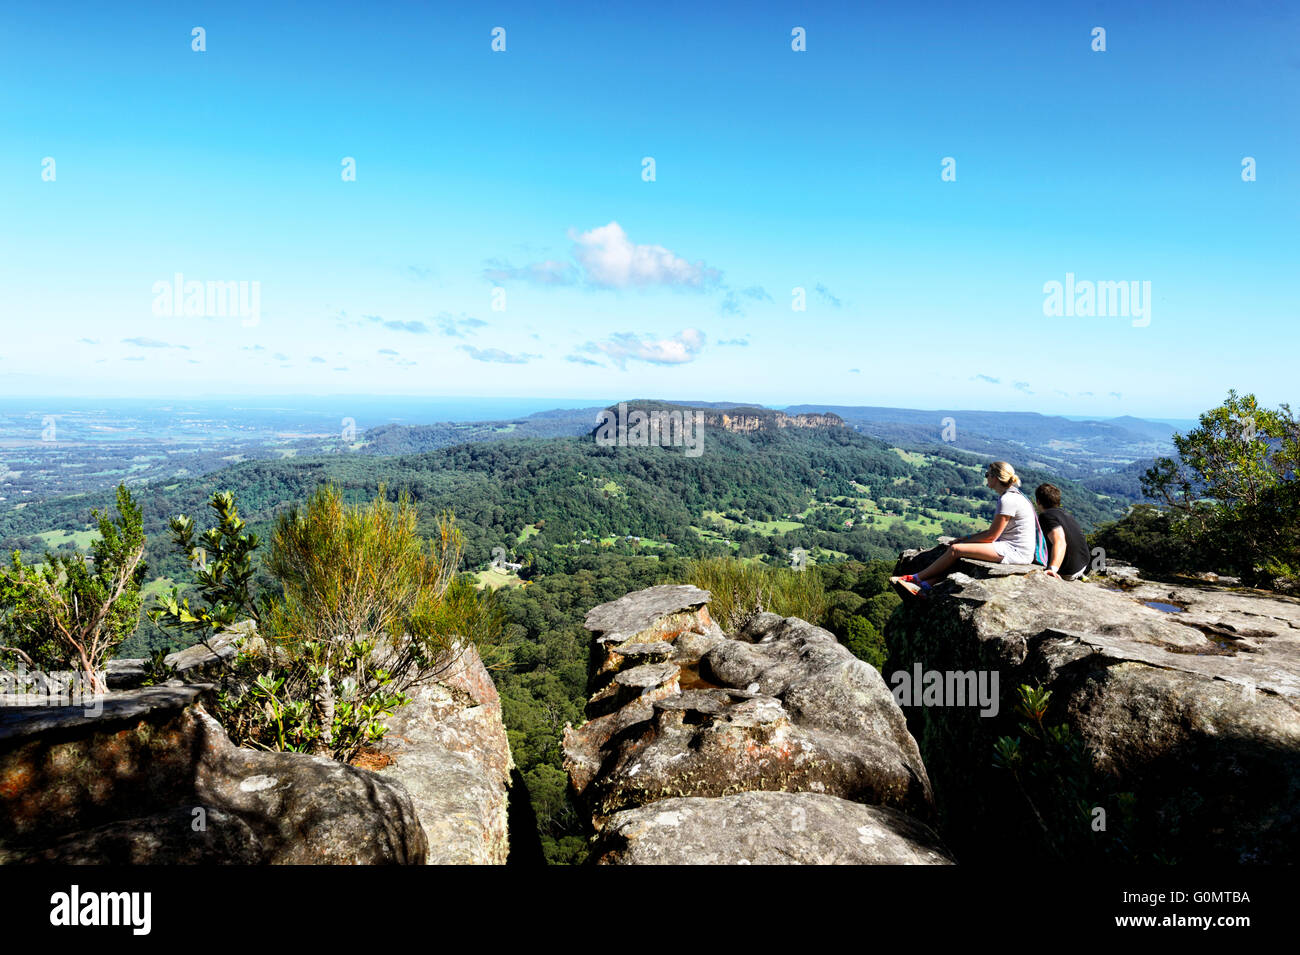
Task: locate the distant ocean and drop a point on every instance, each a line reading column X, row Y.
column 296, row 413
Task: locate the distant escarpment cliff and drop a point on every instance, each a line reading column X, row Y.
column 771, row 745
column 744, row 419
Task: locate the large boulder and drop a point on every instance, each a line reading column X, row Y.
column 447, row 747
column 679, row 709
column 449, row 750
column 153, row 779
column 1186, row 699
column 766, row 828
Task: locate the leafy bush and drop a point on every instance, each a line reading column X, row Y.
column 73, row 611
column 1052, row 771
column 1146, row 538
column 864, row 641
column 366, row 611
column 1233, row 494
column 222, row 561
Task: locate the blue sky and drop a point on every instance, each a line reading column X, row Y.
column 522, row 170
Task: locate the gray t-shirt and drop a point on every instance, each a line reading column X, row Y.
column 1019, row 532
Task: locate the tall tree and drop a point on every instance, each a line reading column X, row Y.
column 1233, row 492
column 72, row 611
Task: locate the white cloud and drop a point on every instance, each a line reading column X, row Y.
column 606, row 258
column 609, row 259
column 625, row 346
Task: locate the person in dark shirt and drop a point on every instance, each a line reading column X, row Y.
column 1066, row 545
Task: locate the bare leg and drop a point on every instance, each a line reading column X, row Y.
column 940, row 567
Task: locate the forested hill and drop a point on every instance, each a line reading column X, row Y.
column 413, row 439
column 1108, row 456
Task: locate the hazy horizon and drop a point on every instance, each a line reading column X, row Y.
column 492, row 406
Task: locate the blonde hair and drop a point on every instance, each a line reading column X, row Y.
column 1004, row 474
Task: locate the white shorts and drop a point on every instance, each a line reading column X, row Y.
column 1011, row 554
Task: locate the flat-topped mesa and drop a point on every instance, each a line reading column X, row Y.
column 695, row 739
column 741, row 419
column 1186, row 697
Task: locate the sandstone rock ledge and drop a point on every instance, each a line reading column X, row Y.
column 775, row 744
column 766, row 828
column 155, row 780
column 1195, row 711
column 123, row 787
column 451, row 753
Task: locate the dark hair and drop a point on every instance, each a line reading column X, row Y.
column 1048, row 495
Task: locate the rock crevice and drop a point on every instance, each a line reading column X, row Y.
column 699, row 743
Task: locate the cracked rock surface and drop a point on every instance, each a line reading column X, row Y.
column 775, row 719
column 1187, row 696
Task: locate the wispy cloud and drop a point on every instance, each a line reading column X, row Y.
column 386, row 351
column 626, row 346
column 497, row 355
column 741, row 342
column 1022, row 386
column 604, row 257
column 152, row 343
column 825, row 295
column 550, row 272
column 415, row 328
column 88, row 341
column 579, row 360
column 731, row 304
column 457, row 326
column 990, row 380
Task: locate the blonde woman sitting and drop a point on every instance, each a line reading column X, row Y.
column 1009, row 540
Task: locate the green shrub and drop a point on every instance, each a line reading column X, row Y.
column 1233, row 495
column 366, row 611
column 1052, row 771
column 742, row 589
column 72, row 611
